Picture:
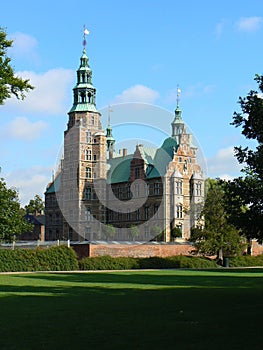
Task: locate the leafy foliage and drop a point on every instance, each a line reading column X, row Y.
column 35, row 205
column 246, row 193
column 12, row 216
column 218, row 237
column 9, row 83
column 109, row 231
column 50, row 259
column 124, row 263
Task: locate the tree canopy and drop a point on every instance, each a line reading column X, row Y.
column 245, row 193
column 35, row 206
column 218, row 237
column 10, row 84
column 12, row 216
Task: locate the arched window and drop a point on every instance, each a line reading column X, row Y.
column 89, row 97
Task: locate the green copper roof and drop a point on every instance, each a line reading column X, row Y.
column 55, row 185
column 83, row 107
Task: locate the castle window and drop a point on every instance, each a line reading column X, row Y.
column 137, row 173
column 119, row 215
column 146, row 213
column 179, row 187
column 92, row 120
column 88, row 193
column 138, row 214
column 198, row 189
column 179, row 211
column 83, row 97
column 119, row 192
column 94, row 157
column 128, row 215
column 95, row 175
column 110, row 215
column 137, row 190
column 88, row 137
column 95, row 140
column 128, row 191
column 88, row 214
column 156, row 188
column 88, row 172
column 155, row 210
column 147, row 189
column 89, row 97
column 88, row 154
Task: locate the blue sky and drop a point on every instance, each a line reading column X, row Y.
column 139, row 51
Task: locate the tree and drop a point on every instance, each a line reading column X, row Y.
column 109, row 231
column 135, row 232
column 157, row 233
column 248, row 190
column 35, row 206
column 9, row 83
column 12, row 216
column 218, row 237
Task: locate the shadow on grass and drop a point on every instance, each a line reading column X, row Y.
column 114, row 311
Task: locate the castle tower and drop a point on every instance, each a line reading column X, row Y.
column 84, row 156
column 186, row 185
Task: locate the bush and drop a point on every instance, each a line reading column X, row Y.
column 246, row 261
column 49, row 259
column 110, row 263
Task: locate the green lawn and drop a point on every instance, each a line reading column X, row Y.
column 170, row 309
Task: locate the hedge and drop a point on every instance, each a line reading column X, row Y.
column 59, row 258
column 110, row 263
column 246, row 261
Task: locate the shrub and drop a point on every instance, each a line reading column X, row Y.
column 49, row 259
column 108, row 263
column 246, row 261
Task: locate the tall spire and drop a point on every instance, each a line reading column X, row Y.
column 84, row 93
column 177, row 124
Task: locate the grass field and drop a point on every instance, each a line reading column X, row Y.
column 171, row 309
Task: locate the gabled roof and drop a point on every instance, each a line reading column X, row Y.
column 156, row 161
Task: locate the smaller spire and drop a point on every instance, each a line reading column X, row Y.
column 109, row 137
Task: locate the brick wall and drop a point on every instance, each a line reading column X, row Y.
column 132, row 250
column 256, row 248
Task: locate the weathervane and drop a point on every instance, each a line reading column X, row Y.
column 85, row 32
column 178, row 95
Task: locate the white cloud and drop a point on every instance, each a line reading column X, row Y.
column 249, row 24
column 50, row 94
column 29, row 182
column 23, row 44
column 224, row 164
column 23, row 129
column 137, row 93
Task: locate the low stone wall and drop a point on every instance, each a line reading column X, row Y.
column 132, row 250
